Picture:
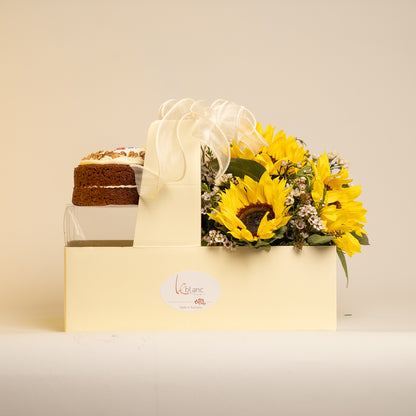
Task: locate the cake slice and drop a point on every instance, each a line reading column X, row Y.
column 107, row 177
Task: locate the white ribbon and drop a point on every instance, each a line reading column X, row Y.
column 216, row 126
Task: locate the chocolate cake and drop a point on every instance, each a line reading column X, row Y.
column 107, row 178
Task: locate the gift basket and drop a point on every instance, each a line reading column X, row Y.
column 237, row 228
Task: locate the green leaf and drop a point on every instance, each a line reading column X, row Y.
column 242, row 167
column 278, row 236
column 319, row 240
column 280, row 233
column 363, row 239
column 243, row 242
column 306, row 170
column 341, row 256
column 205, row 187
column 262, row 244
column 266, row 244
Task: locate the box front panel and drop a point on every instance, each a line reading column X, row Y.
column 119, row 288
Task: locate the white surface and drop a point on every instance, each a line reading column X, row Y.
column 208, row 373
column 366, row 368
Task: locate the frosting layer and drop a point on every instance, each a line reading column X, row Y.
column 119, row 156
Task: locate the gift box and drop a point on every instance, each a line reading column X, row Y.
column 161, row 278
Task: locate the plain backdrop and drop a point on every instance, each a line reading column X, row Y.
column 80, row 76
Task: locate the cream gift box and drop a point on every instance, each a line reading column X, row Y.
column 166, row 281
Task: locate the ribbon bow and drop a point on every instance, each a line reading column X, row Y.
column 216, row 126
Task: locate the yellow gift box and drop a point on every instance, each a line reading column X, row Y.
column 167, row 281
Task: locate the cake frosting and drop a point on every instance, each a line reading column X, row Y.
column 119, row 156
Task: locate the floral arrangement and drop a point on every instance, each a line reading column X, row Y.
column 281, row 195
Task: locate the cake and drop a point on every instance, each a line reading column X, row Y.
column 108, row 177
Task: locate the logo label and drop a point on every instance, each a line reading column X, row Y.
column 190, row 291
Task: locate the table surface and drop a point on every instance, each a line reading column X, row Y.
column 355, row 370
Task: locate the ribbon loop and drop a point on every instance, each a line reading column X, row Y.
column 216, row 126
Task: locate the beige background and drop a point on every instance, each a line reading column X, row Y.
column 79, row 76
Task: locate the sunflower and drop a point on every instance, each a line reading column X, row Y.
column 335, row 183
column 284, row 156
column 253, row 210
column 337, row 206
column 267, row 134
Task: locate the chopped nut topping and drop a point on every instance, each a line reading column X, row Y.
column 114, row 155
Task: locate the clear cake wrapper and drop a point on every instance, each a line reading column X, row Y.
column 111, row 225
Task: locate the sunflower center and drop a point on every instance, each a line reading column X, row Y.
column 252, row 215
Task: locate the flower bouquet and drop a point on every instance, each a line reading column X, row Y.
column 281, row 195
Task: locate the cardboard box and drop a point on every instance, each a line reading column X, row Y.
column 119, row 288
column 167, row 281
